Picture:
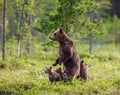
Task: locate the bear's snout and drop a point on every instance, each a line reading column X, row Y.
column 52, row 38
column 49, row 37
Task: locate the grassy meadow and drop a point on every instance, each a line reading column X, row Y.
column 26, row 76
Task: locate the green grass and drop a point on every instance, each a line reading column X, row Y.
column 27, row 77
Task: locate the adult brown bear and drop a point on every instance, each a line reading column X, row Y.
column 67, row 54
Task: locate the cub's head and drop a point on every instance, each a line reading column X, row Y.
column 59, row 70
column 83, row 65
column 48, row 70
column 58, row 35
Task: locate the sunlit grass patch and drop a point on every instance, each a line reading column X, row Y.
column 27, row 76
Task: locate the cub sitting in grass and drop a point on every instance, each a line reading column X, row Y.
column 83, row 70
column 53, row 75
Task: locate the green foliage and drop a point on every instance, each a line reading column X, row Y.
column 45, row 26
column 1, row 3
column 111, row 27
column 71, row 15
column 42, row 23
column 70, row 11
column 106, row 9
column 91, row 29
column 26, row 75
column 23, row 10
column 25, row 6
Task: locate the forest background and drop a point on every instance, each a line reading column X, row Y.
column 25, row 47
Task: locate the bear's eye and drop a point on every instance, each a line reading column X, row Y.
column 55, row 34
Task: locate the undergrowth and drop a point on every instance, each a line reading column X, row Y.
column 26, row 75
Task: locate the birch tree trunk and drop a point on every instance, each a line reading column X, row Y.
column 19, row 30
column 19, row 48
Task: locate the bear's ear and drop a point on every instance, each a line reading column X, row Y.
column 61, row 30
column 50, row 68
column 71, row 43
column 60, row 68
column 81, row 61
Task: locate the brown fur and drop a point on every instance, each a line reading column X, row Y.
column 59, row 70
column 63, row 75
column 2, row 66
column 53, row 75
column 67, row 54
column 83, row 71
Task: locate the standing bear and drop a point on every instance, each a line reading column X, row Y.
column 67, row 54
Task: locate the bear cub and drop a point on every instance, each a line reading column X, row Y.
column 52, row 75
column 83, row 70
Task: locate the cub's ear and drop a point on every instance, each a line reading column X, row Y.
column 50, row 67
column 81, row 61
column 61, row 30
column 60, row 68
column 71, row 42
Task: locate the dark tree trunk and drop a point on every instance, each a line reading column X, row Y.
column 4, row 32
column 1, row 35
column 28, row 38
column 12, row 32
column 116, row 7
column 1, row 28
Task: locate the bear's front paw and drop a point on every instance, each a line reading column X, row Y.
column 59, row 61
column 54, row 64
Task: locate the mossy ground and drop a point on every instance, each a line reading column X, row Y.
column 27, row 77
